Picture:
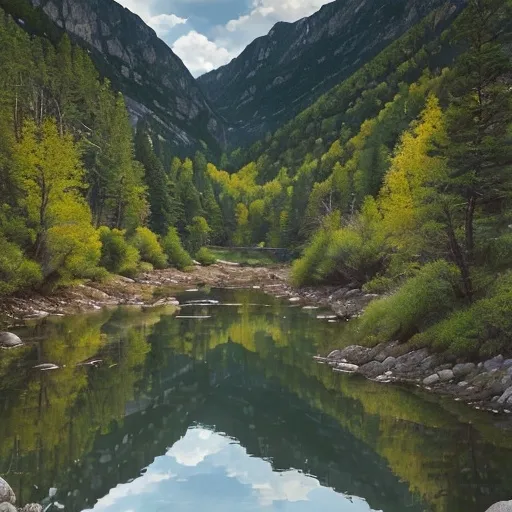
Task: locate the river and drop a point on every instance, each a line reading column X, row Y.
column 220, row 407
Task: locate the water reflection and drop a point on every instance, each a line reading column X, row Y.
column 230, row 413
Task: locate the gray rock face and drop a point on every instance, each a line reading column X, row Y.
column 143, row 67
column 502, row 506
column 445, row 375
column 410, row 363
column 6, row 493
column 7, row 507
column 389, row 363
column 297, row 62
column 433, row 379
column 461, row 370
column 9, row 340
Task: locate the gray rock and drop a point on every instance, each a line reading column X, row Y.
column 494, row 364
column 461, row 370
column 372, row 369
column 429, row 362
column 389, row 363
column 410, row 363
column 6, row 493
column 355, row 354
column 445, row 375
column 502, row 506
column 441, row 367
column 463, row 384
column 9, row 340
column 505, row 396
column 32, row 507
column 335, row 354
column 7, row 507
column 433, row 379
column 507, row 363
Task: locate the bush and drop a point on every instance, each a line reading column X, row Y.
column 177, row 256
column 484, row 329
column 416, row 305
column 17, row 273
column 117, row 255
column 305, row 269
column 205, row 257
column 146, row 242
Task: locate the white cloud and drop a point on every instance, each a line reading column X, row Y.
column 199, row 54
column 163, row 23
column 160, row 23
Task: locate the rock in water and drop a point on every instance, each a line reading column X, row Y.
column 502, row 506
column 7, row 507
column 9, row 340
column 6, row 493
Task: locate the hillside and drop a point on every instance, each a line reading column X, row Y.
column 280, row 74
column 155, row 82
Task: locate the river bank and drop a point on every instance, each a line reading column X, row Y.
column 482, row 384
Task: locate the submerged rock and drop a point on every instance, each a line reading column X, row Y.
column 9, row 340
column 6, row 492
column 46, row 367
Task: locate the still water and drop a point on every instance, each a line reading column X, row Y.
column 219, row 407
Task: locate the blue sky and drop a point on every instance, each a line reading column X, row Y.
column 208, row 33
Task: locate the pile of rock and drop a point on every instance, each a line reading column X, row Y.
column 488, row 382
column 8, row 500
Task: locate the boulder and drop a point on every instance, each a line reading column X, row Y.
column 429, row 362
column 389, row 363
column 410, row 363
column 372, row 369
column 356, row 354
column 494, row 364
column 7, row 507
column 9, row 340
column 504, row 398
column 502, row 506
column 461, row 370
column 6, row 493
column 507, row 363
column 445, row 375
column 433, row 379
column 335, row 354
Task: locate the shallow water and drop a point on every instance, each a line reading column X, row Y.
column 220, row 407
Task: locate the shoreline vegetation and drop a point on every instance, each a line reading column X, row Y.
column 484, row 384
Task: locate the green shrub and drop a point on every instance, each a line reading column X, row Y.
column 16, row 272
column 416, row 305
column 144, row 266
column 305, row 269
column 380, row 285
column 178, row 257
column 149, row 248
column 483, row 329
column 205, row 257
column 117, row 255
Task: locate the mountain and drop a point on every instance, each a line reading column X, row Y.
column 155, row 82
column 280, row 74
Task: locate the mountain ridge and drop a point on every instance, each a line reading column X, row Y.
column 286, row 70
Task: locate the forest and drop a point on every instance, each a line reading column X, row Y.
column 396, row 181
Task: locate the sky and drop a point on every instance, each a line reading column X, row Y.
column 207, row 34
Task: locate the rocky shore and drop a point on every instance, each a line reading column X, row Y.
column 484, row 385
